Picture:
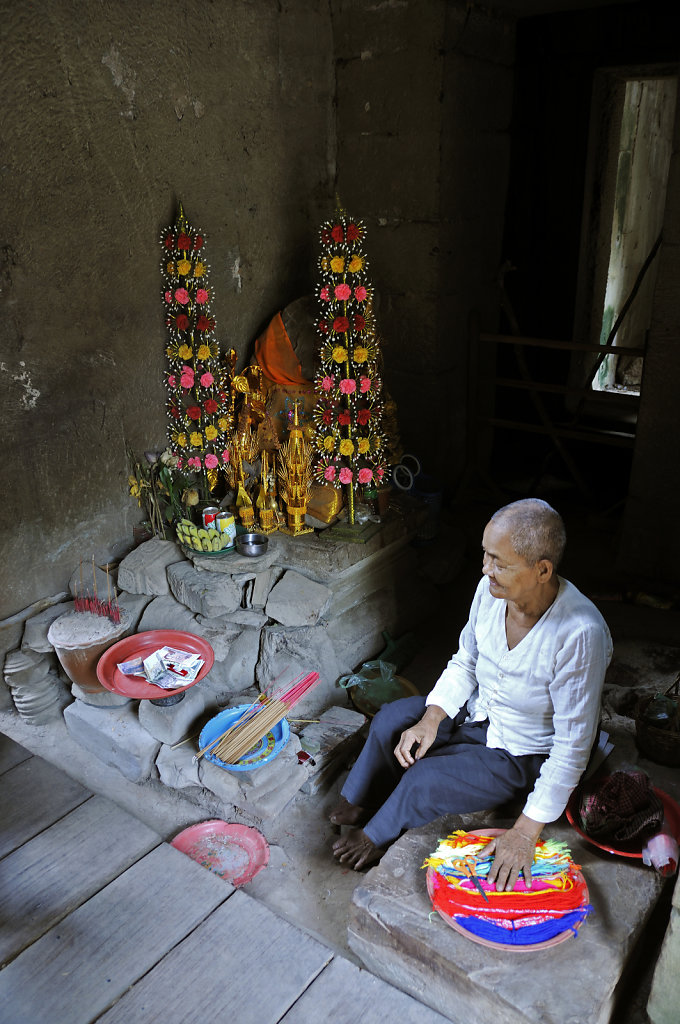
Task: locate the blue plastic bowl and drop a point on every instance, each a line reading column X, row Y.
column 262, row 753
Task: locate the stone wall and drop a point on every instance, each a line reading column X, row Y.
column 251, row 113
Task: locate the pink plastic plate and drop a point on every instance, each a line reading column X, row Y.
column 506, row 948
column 234, row 852
column 142, row 645
column 634, row 847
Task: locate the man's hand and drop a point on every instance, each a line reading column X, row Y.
column 421, row 736
column 514, row 854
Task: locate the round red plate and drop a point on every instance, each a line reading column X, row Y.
column 142, row 645
column 507, row 948
column 634, row 847
column 234, row 852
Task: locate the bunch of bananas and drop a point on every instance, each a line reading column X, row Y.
column 210, row 539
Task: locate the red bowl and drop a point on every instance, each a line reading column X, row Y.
column 634, row 847
column 141, row 645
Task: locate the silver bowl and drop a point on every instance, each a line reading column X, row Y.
column 251, row 543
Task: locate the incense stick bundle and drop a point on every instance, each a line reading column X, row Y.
column 257, row 720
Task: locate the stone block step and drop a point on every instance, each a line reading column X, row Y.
column 395, row 934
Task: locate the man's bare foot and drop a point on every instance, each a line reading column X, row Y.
column 356, row 850
column 348, row 814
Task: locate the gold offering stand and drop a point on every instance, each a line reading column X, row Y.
column 295, row 478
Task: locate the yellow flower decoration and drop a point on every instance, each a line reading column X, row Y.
column 355, row 264
column 222, row 424
column 203, row 352
column 329, row 442
column 337, row 264
column 360, row 354
column 181, row 440
column 196, row 439
column 170, row 351
column 339, row 354
column 324, row 263
column 210, row 433
column 170, row 267
column 183, row 267
column 199, row 270
column 363, row 446
column 185, row 352
column 346, row 446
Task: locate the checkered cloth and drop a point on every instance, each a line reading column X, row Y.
column 622, row 806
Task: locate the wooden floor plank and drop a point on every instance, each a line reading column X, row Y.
column 343, row 992
column 243, row 964
column 33, row 795
column 84, row 963
column 11, row 753
column 62, row 867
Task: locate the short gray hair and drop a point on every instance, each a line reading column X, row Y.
column 536, row 530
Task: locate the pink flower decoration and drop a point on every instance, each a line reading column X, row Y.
column 201, row 296
column 194, row 462
column 345, row 475
column 211, row 461
column 327, row 383
column 180, row 462
column 225, row 455
column 380, row 472
column 325, row 294
column 348, row 386
column 365, row 475
column 206, row 380
column 172, row 380
column 329, row 473
column 365, row 385
column 342, row 292
column 168, row 296
column 182, row 296
column 360, row 293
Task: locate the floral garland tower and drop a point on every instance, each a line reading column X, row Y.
column 198, row 406
column 348, row 440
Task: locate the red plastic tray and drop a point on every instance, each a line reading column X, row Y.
column 142, row 645
column 234, row 852
column 634, row 847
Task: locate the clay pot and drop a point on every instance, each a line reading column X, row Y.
column 79, row 640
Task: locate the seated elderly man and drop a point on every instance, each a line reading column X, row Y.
column 515, row 711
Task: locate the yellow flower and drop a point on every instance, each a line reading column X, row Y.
column 338, row 264
column 210, row 433
column 196, row 439
column 324, row 263
column 329, row 442
column 355, row 264
column 185, row 352
column 346, row 446
column 360, row 354
column 339, row 354
column 203, row 352
column 183, row 267
column 364, row 445
column 222, row 423
column 199, row 270
column 170, row 351
column 134, row 486
column 181, row 440
column 171, row 268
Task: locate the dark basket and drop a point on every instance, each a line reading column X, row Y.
column 660, row 745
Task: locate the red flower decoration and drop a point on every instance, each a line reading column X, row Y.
column 210, row 406
column 174, row 412
column 327, row 417
column 363, row 416
column 198, row 242
column 182, row 322
column 340, row 324
column 353, row 232
column 337, row 234
column 344, row 418
column 183, row 242
column 168, row 241
column 325, row 236
column 323, row 326
column 205, row 323
column 359, row 322
column 193, row 412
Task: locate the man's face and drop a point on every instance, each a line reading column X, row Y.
column 510, row 577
